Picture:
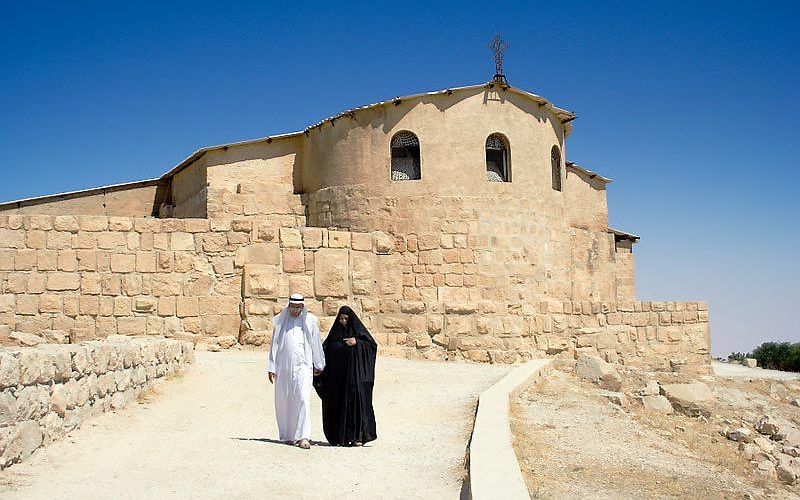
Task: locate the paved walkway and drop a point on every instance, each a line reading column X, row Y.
column 212, row 432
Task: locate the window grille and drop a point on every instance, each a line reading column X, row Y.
column 497, row 159
column 406, row 165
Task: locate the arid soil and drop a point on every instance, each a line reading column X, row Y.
column 573, row 441
column 212, row 434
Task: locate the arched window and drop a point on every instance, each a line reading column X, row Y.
column 498, row 168
column 406, row 165
column 555, row 165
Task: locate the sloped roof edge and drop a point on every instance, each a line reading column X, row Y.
column 82, row 192
column 592, row 175
column 562, row 114
column 622, row 234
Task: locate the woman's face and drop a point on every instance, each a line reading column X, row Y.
column 343, row 318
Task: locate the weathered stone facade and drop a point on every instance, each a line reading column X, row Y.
column 447, row 266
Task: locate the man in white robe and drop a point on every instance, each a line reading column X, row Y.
column 295, row 356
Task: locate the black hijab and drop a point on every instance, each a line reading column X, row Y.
column 355, row 328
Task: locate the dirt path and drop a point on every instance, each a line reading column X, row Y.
column 732, row 370
column 211, row 434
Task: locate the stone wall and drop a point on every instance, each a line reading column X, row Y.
column 221, row 281
column 48, row 391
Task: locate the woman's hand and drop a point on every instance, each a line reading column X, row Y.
column 351, row 341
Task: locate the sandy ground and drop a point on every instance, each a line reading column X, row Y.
column 733, row 370
column 573, row 443
column 212, row 434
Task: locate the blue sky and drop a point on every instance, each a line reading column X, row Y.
column 691, row 108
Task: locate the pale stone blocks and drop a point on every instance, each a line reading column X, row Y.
column 290, row 238
column 332, row 273
column 261, row 281
column 338, row 239
column 25, row 260
column 182, row 241
column 145, row 262
column 361, row 242
column 312, row 237
column 166, row 306
column 293, row 261
column 187, row 306
column 258, row 253
column 63, row 281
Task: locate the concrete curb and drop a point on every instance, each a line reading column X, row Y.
column 493, row 468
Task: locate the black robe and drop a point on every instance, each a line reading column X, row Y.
column 345, row 385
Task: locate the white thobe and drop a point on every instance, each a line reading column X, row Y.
column 292, row 362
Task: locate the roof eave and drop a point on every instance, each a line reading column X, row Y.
column 589, row 173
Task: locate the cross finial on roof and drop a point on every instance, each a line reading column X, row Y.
column 498, row 47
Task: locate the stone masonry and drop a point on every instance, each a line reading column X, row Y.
column 449, row 266
column 47, row 391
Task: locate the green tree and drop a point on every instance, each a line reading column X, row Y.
column 778, row 356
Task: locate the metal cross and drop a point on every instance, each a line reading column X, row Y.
column 498, row 48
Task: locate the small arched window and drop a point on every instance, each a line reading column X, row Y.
column 406, row 165
column 498, row 168
column 555, row 166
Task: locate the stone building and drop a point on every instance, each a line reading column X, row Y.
column 450, row 220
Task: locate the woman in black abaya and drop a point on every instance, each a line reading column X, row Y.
column 345, row 385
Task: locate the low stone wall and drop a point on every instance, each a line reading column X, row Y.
column 47, row 391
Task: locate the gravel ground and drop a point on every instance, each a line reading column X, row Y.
column 212, row 434
column 572, row 443
column 732, row 370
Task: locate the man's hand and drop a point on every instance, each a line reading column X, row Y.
column 351, row 341
column 272, row 377
column 317, row 372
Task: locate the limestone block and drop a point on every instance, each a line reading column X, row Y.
column 290, row 238
column 692, row 399
column 63, row 281
column 361, row 241
column 213, row 242
column 261, row 281
column 596, row 370
column 8, row 409
column 222, row 325
column 145, row 262
column 390, row 270
column 187, row 306
column 25, row 260
column 33, row 402
column 363, row 272
column 132, row 326
column 258, row 253
column 397, row 323
column 182, row 242
column 9, row 370
column 303, row 285
column 382, row 243
column 30, row 438
column 459, row 325
column 224, row 305
column 338, row 239
column 165, row 285
column 332, row 273
column 57, row 240
column 434, row 324
column 311, row 236
column 293, row 261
